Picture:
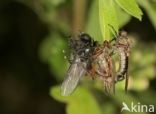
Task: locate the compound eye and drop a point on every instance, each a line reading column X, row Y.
column 85, row 38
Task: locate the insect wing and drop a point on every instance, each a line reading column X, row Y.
column 109, row 85
column 75, row 72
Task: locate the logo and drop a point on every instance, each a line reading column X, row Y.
column 137, row 107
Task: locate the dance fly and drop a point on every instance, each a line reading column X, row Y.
column 122, row 46
column 81, row 49
column 103, row 66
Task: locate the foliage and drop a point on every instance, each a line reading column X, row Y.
column 80, row 102
column 150, row 9
column 49, row 49
column 108, row 16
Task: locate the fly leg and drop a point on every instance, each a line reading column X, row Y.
column 122, row 77
column 119, row 77
column 126, row 82
column 91, row 71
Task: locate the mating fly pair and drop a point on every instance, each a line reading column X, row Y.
column 88, row 56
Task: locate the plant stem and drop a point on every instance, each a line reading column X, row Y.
column 79, row 8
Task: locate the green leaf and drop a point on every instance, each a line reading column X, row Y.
column 107, row 18
column 121, row 97
column 93, row 27
column 80, row 102
column 51, row 52
column 150, row 9
column 147, row 96
column 109, row 108
column 131, row 7
column 125, row 16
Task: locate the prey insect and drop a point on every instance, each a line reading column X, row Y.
column 103, row 63
column 122, row 47
column 81, row 50
column 103, row 66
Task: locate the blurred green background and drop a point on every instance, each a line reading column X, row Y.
column 33, row 34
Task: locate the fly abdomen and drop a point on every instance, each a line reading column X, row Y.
column 123, row 64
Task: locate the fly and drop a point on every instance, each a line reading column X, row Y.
column 103, row 66
column 122, row 46
column 74, row 73
column 81, row 50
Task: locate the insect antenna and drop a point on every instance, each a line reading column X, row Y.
column 115, row 33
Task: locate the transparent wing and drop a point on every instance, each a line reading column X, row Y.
column 74, row 73
column 109, row 82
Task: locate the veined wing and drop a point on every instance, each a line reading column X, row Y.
column 74, row 73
